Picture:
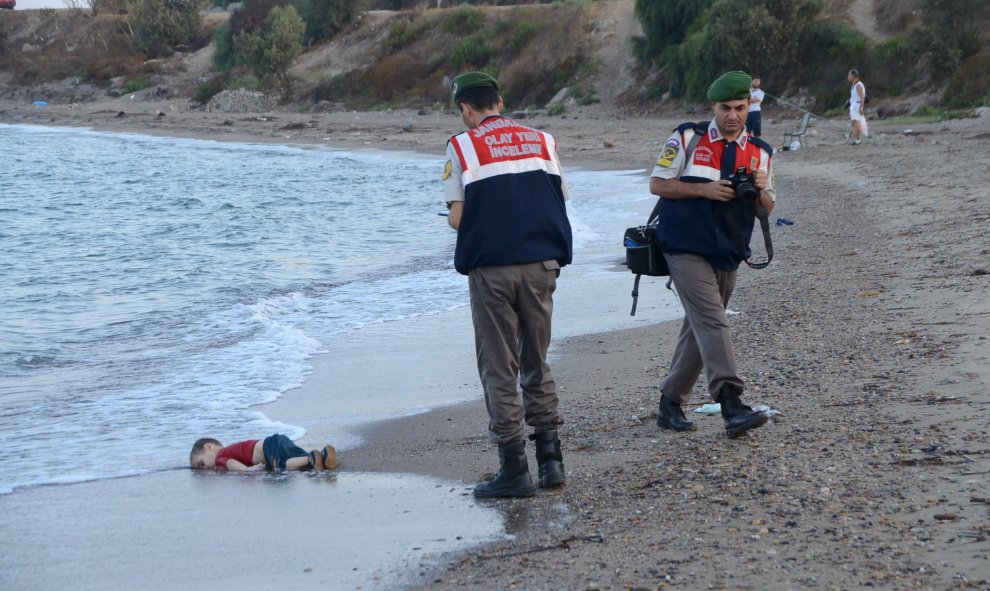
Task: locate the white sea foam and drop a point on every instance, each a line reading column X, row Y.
column 166, row 310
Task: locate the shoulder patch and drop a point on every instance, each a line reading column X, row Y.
column 668, row 154
column 446, row 170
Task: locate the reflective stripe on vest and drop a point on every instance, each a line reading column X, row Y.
column 501, row 146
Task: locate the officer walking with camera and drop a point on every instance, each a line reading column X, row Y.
column 707, row 213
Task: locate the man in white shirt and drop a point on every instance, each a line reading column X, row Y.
column 754, row 119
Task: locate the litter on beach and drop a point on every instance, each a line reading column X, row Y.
column 709, row 409
column 716, row 408
column 765, row 409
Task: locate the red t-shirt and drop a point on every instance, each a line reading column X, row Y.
column 242, row 451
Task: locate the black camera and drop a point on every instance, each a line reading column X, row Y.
column 742, row 183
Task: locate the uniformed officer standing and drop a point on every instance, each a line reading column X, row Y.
column 505, row 189
column 703, row 251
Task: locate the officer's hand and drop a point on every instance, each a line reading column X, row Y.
column 718, row 191
column 760, row 179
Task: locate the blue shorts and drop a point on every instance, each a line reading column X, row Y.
column 278, row 449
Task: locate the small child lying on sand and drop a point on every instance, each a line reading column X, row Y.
column 275, row 452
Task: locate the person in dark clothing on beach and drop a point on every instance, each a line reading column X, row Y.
column 271, row 453
column 505, row 189
column 703, row 252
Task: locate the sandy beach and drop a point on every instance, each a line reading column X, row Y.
column 868, row 333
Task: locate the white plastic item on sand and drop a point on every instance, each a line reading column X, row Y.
column 709, row 409
column 716, row 408
column 765, row 409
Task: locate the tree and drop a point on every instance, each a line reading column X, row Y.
column 757, row 35
column 271, row 51
column 326, row 18
column 949, row 34
column 666, row 23
column 697, row 41
column 160, row 25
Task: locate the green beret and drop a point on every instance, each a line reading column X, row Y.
column 731, row 86
column 471, row 80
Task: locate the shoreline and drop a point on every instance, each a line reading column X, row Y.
column 867, row 333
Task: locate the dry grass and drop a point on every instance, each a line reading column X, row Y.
column 50, row 45
column 534, row 50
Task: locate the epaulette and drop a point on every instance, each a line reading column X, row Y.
column 759, row 142
column 699, row 127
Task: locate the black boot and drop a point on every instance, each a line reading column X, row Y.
column 513, row 478
column 738, row 417
column 549, row 457
column 670, row 416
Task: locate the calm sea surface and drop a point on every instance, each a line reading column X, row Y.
column 155, row 289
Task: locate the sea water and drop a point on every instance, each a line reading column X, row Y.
column 156, row 290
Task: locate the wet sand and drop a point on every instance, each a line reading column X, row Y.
column 868, row 332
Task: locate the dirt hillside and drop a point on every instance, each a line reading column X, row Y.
column 388, row 59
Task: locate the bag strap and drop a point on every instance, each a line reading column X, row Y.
column 635, row 294
column 700, row 129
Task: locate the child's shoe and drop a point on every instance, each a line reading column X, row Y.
column 316, row 461
column 323, row 459
column 329, row 457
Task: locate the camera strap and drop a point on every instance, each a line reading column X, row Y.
column 761, row 214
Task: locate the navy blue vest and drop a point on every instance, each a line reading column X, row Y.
column 514, row 209
column 697, row 226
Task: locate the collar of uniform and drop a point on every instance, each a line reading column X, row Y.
column 714, row 135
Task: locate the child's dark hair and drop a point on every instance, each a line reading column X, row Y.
column 481, row 98
column 200, row 445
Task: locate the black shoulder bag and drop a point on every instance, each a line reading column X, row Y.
column 643, row 253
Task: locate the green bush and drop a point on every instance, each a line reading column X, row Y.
column 893, row 66
column 699, row 39
column 828, row 50
column 160, row 25
column 472, row 50
column 970, row 85
column 271, row 51
column 948, row 35
column 464, row 20
column 206, row 90
column 665, row 24
column 225, row 54
column 135, row 84
column 326, row 18
column 585, row 95
column 522, row 35
column 398, row 34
